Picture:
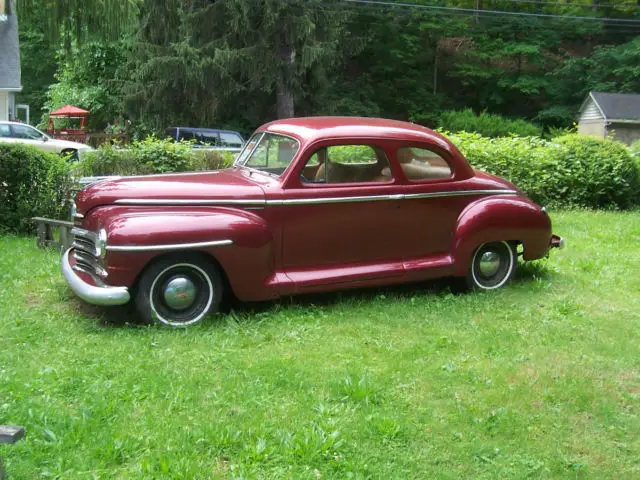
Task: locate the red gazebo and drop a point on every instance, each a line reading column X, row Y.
column 69, row 113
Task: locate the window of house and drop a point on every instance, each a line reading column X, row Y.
column 423, row 164
column 347, row 164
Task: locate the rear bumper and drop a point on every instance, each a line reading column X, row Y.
column 93, row 291
column 557, row 242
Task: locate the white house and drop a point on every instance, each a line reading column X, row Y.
column 606, row 114
column 9, row 60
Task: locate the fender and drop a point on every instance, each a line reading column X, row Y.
column 500, row 218
column 240, row 241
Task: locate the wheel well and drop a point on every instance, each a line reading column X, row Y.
column 207, row 257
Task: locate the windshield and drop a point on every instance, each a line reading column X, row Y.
column 268, row 152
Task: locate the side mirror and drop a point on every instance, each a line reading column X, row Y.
column 45, row 138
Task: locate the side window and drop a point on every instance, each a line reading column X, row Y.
column 230, row 140
column 347, row 164
column 5, row 131
column 422, row 164
column 20, row 131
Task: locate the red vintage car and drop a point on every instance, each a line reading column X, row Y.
column 311, row 204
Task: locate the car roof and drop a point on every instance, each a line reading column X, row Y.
column 310, row 128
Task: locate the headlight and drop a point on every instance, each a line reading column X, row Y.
column 101, row 243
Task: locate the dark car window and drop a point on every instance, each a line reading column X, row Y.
column 347, row 164
column 21, row 131
column 422, row 164
column 5, row 131
column 201, row 137
column 230, row 140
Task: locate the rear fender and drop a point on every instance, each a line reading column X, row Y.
column 497, row 218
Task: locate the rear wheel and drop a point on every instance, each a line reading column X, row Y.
column 179, row 290
column 492, row 266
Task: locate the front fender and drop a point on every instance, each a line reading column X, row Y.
column 240, row 241
column 510, row 218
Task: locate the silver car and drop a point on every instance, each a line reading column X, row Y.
column 15, row 132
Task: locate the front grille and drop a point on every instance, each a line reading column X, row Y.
column 84, row 252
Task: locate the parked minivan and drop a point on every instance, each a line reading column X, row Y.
column 227, row 140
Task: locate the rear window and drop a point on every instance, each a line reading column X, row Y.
column 230, row 140
column 201, row 137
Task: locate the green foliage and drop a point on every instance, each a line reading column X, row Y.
column 486, row 124
column 149, row 156
column 32, row 184
column 87, row 77
column 162, row 156
column 571, row 170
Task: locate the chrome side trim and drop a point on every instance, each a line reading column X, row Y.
column 375, row 198
column 91, row 293
column 314, row 201
column 460, row 193
column 161, row 201
column 177, row 246
column 311, row 201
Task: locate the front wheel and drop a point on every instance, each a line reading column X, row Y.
column 493, row 264
column 179, row 290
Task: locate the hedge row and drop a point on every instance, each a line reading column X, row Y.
column 32, row 183
column 568, row 171
column 150, row 156
column 486, row 124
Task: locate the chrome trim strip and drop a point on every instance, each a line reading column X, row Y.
column 78, row 215
column 311, row 201
column 90, row 293
column 161, row 201
column 375, row 198
column 177, row 246
column 460, row 193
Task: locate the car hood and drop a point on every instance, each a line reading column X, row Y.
column 222, row 187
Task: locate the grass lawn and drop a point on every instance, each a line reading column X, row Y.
column 538, row 380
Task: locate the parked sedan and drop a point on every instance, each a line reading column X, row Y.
column 15, row 132
column 311, row 204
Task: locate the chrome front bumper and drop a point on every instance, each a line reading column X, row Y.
column 96, row 295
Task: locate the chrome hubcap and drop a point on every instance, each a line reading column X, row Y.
column 489, row 264
column 179, row 293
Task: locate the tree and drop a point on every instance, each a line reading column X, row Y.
column 215, row 53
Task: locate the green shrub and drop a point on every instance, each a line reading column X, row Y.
column 32, row 184
column 570, row 171
column 151, row 156
column 486, row 124
column 110, row 160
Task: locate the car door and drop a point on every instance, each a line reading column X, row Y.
column 431, row 205
column 29, row 136
column 339, row 216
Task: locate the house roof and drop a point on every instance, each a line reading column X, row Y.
column 623, row 107
column 9, row 54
